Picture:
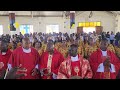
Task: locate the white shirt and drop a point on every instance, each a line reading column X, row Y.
column 74, row 58
column 101, row 66
column 26, row 50
column 31, row 39
column 9, row 66
column 3, row 53
column 112, row 37
column 81, row 37
column 104, row 53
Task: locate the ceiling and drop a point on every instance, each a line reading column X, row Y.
column 34, row 13
column 47, row 13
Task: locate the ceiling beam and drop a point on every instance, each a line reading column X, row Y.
column 36, row 15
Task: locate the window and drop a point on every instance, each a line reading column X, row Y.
column 89, row 24
column 26, row 29
column 52, row 28
column 1, row 29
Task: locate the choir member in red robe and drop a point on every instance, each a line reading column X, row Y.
column 104, row 63
column 4, row 57
column 26, row 56
column 50, row 62
column 75, row 66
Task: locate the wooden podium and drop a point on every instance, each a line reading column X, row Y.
column 99, row 29
column 79, row 30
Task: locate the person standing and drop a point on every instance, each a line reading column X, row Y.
column 27, row 57
column 112, row 37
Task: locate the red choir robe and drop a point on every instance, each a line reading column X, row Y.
column 27, row 60
column 96, row 59
column 57, row 59
column 67, row 68
column 4, row 59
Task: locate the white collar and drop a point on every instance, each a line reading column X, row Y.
column 74, row 58
column 26, row 51
column 3, row 53
column 101, row 68
column 104, row 53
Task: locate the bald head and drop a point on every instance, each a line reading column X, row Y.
column 26, row 43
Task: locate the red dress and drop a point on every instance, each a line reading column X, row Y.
column 57, row 59
column 4, row 59
column 27, row 60
column 96, row 59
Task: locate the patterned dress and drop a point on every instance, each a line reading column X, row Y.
column 68, row 68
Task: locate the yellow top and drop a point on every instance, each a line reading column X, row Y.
column 40, row 51
column 117, row 51
column 90, row 49
column 64, row 51
column 18, row 44
column 111, row 48
column 80, row 50
column 44, row 47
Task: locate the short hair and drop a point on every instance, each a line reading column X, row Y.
column 37, row 42
column 25, row 39
column 90, row 38
column 74, row 45
column 63, row 40
column 104, row 39
column 50, row 41
column 4, row 42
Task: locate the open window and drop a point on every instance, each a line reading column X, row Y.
column 26, row 29
column 52, row 28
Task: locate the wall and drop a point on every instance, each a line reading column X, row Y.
column 107, row 20
column 39, row 23
column 118, row 23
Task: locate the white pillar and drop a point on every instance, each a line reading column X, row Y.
column 117, row 24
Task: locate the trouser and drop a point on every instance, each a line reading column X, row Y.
column 108, row 40
column 111, row 41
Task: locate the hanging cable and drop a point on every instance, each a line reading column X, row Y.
column 91, row 13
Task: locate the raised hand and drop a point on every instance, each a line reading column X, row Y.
column 107, row 62
column 48, row 73
column 2, row 73
column 75, row 77
column 1, row 65
column 12, row 74
column 35, row 71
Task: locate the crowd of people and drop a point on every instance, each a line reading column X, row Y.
column 60, row 56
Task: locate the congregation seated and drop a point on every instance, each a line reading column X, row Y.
column 87, row 44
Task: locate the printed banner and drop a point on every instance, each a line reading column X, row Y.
column 72, row 19
column 12, row 21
